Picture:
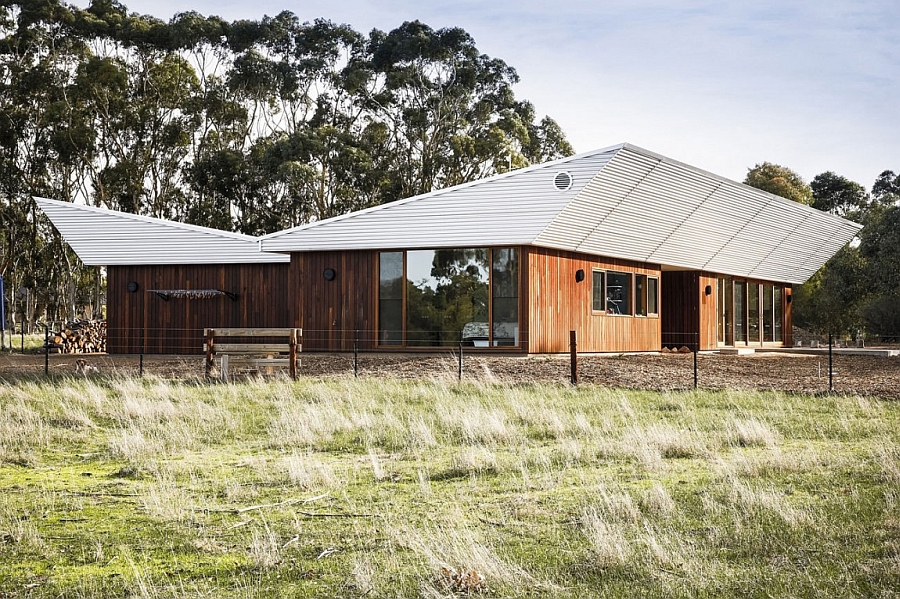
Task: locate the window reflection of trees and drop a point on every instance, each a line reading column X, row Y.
column 441, row 302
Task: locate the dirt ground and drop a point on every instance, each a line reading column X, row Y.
column 864, row 375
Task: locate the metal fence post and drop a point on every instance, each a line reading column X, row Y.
column 573, row 358
column 696, row 351
column 830, row 364
column 46, row 349
column 356, row 354
column 459, row 367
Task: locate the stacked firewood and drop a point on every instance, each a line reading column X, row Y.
column 79, row 337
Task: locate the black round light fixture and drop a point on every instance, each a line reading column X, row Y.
column 329, row 274
column 132, row 286
column 579, row 275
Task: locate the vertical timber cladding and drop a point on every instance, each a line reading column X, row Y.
column 337, row 295
column 142, row 322
column 688, row 312
column 557, row 304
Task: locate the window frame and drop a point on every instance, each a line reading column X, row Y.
column 602, row 297
column 404, row 345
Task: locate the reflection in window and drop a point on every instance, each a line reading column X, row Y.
column 390, row 298
column 447, row 297
column 505, row 297
column 645, row 295
column 618, row 293
column 598, row 291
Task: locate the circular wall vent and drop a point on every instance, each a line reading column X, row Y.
column 562, row 181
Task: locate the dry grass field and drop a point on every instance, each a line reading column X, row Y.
column 117, row 486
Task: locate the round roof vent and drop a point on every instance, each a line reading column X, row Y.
column 562, row 181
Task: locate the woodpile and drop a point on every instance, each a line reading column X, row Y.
column 79, row 337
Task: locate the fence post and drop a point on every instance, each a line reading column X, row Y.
column 830, row 364
column 696, row 351
column 23, row 337
column 141, row 358
column 573, row 357
column 46, row 349
column 356, row 354
column 459, row 367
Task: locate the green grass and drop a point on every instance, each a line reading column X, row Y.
column 342, row 488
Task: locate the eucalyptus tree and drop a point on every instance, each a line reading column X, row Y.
column 779, row 180
column 450, row 111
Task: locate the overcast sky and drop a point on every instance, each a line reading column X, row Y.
column 719, row 84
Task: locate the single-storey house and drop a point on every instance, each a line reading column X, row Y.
column 631, row 250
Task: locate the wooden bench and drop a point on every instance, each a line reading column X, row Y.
column 253, row 353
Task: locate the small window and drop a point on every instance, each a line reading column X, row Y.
column 646, row 295
column 598, row 291
column 652, row 295
column 618, row 293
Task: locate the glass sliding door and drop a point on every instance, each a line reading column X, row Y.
column 740, row 312
column 778, row 309
column 768, row 313
column 753, row 312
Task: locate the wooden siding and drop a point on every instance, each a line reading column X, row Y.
column 688, row 313
column 142, row 322
column 331, row 312
column 680, row 309
column 557, row 304
column 708, row 311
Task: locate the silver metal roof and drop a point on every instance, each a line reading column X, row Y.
column 103, row 237
column 620, row 202
column 624, row 202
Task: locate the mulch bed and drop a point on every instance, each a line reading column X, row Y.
column 863, row 375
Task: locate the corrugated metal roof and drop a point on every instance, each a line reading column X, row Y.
column 103, row 237
column 511, row 208
column 625, row 202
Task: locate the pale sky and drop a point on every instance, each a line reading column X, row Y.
column 722, row 85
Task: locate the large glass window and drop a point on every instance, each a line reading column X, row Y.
column 505, row 297
column 468, row 295
column 390, row 298
column 598, row 291
column 618, row 292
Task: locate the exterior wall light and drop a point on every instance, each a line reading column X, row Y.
column 579, row 275
column 708, row 290
column 329, row 274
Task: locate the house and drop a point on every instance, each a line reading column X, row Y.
column 630, row 249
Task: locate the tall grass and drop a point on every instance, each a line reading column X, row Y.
column 380, row 488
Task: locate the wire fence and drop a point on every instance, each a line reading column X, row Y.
column 812, row 366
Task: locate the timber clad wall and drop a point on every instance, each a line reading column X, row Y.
column 143, row 322
column 688, row 313
column 330, row 312
column 557, row 305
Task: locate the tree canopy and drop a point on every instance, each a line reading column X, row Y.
column 252, row 125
